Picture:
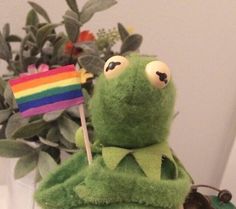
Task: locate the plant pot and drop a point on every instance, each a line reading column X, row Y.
column 20, row 192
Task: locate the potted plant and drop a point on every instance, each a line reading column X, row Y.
column 37, row 142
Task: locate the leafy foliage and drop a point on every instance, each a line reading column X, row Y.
column 45, row 164
column 73, row 5
column 40, row 10
column 131, row 43
column 48, row 43
column 26, row 164
column 12, row 148
column 4, row 49
column 122, row 31
column 92, row 63
column 93, row 6
column 72, row 24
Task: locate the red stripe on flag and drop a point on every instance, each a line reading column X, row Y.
column 55, row 71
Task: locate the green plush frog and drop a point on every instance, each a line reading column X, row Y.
column 133, row 166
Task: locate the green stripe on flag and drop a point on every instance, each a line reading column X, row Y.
column 49, row 92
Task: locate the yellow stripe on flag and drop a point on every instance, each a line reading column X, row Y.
column 41, row 88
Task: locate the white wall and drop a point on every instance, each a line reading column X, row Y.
column 198, row 41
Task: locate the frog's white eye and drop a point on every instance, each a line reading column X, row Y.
column 114, row 66
column 158, row 73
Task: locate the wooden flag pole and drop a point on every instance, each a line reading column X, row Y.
column 85, row 133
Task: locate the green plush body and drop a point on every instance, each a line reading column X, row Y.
column 133, row 167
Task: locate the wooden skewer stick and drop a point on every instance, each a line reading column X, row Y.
column 85, row 133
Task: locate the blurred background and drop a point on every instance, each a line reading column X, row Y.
column 198, row 41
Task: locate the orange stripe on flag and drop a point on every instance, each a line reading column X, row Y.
column 43, row 81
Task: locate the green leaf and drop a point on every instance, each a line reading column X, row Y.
column 122, row 31
column 25, row 165
column 2, row 86
column 5, row 52
column 93, row 6
column 46, row 164
column 92, row 64
column 73, row 111
column 9, row 97
column 13, row 38
column 23, row 45
column 73, row 5
column 15, row 122
column 33, row 29
column 131, row 43
column 51, row 116
column 43, row 33
column 68, row 128
column 59, row 43
column 53, row 135
column 49, row 143
column 32, row 18
column 4, row 115
column 66, row 144
column 40, row 10
column 69, row 150
column 13, row 149
column 72, row 25
column 31, row 129
column 6, row 30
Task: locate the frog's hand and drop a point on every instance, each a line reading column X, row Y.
column 96, row 146
column 56, row 190
column 104, row 186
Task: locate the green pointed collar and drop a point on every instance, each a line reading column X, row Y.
column 148, row 158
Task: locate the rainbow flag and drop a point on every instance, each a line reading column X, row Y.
column 47, row 91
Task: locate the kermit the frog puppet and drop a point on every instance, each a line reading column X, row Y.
column 133, row 166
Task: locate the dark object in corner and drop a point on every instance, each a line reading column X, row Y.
column 196, row 200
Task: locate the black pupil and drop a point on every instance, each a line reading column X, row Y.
column 162, row 76
column 112, row 65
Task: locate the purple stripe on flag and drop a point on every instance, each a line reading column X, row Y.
column 52, row 107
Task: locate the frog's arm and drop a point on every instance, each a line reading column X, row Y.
column 56, row 190
column 104, row 186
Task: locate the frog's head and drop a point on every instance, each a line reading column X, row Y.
column 133, row 102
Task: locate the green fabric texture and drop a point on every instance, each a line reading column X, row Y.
column 149, row 158
column 133, row 167
column 76, row 185
column 128, row 184
column 128, row 111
